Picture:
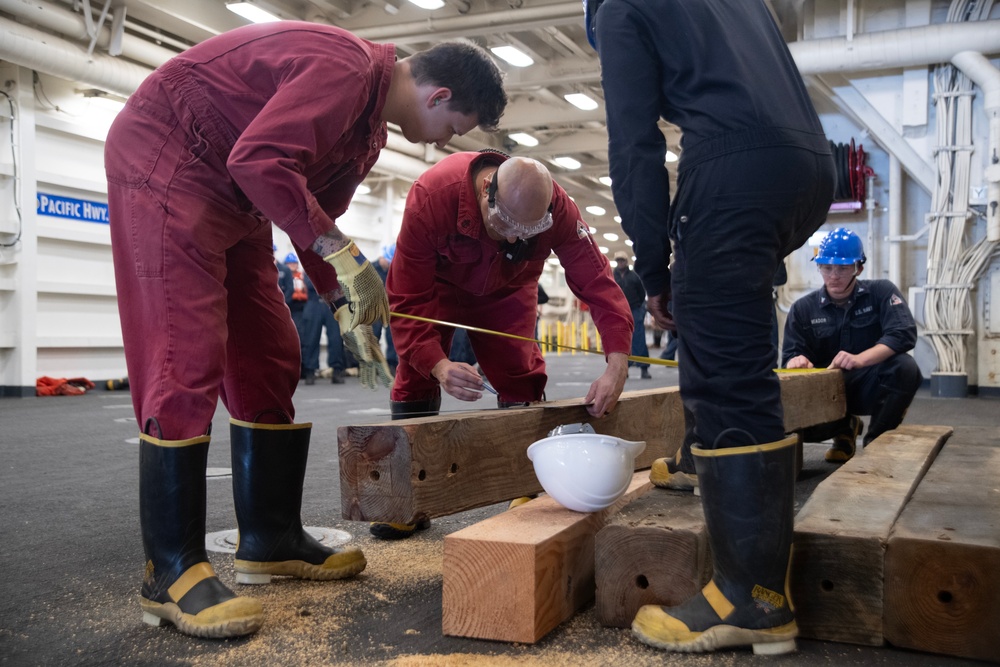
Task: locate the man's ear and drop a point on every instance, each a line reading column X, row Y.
column 438, row 97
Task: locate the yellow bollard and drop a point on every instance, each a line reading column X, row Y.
column 572, row 338
column 585, row 336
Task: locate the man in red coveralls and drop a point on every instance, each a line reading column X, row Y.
column 277, row 122
column 477, row 230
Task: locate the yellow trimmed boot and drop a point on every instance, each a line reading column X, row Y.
column 748, row 495
column 385, row 530
column 269, row 469
column 678, row 474
column 180, row 586
column 845, row 443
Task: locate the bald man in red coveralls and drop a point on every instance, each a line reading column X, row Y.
column 473, row 257
column 276, row 122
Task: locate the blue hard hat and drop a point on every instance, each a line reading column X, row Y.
column 841, row 246
column 290, row 258
column 590, row 8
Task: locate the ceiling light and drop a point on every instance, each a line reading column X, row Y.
column 523, row 138
column 252, row 13
column 605, row 180
column 618, row 219
column 604, row 251
column 428, row 4
column 511, row 54
column 628, row 242
column 593, row 230
column 610, row 236
column 567, row 162
column 672, row 156
column 554, row 261
column 581, row 101
column 595, row 210
column 362, row 190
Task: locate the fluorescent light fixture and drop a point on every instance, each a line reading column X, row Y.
column 362, row 190
column 581, row 101
column 523, row 138
column 610, row 236
column 672, row 156
column 628, row 242
column 252, row 13
column 605, row 180
column 595, row 210
column 512, row 54
column 618, row 219
column 604, row 251
column 428, row 4
column 567, row 162
column 593, row 230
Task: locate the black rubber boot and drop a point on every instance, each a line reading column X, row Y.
column 748, row 495
column 385, row 530
column 269, row 469
column 180, row 586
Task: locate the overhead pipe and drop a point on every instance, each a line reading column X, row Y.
column 56, row 18
column 982, row 72
column 471, row 23
column 41, row 51
column 907, row 47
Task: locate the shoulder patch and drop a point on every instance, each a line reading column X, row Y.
column 894, row 300
column 582, row 229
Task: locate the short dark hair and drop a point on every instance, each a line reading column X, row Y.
column 472, row 75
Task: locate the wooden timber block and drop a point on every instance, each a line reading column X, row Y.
column 654, row 551
column 942, row 564
column 435, row 466
column 841, row 534
column 517, row 575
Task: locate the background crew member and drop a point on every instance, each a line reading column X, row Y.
column 477, row 230
column 863, row 327
column 636, row 296
column 755, row 179
column 274, row 122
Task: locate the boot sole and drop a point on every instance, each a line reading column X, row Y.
column 252, row 572
column 245, row 623
column 768, row 641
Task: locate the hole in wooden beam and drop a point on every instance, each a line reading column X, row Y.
column 641, row 581
column 826, row 585
column 374, row 475
column 422, row 475
column 945, row 597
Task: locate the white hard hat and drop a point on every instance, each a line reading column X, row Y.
column 584, row 471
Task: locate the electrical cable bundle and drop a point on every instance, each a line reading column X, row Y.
column 952, row 267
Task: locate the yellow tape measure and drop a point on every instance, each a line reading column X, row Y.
column 631, row 357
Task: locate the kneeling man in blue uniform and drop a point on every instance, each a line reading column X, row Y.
column 862, row 327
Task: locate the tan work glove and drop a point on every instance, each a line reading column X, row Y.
column 372, row 366
column 361, row 286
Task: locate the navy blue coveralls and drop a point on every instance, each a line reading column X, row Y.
column 755, row 179
column 876, row 312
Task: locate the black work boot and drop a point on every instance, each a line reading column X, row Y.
column 385, row 530
column 845, row 442
column 269, row 468
column 180, row 586
column 888, row 414
column 679, row 472
column 747, row 494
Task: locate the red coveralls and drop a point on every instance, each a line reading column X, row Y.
column 447, row 268
column 269, row 122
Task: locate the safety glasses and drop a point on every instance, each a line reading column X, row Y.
column 837, row 269
column 501, row 221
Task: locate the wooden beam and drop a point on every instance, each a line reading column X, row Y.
column 517, row 575
column 941, row 564
column 435, row 466
column 842, row 531
column 655, row 551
